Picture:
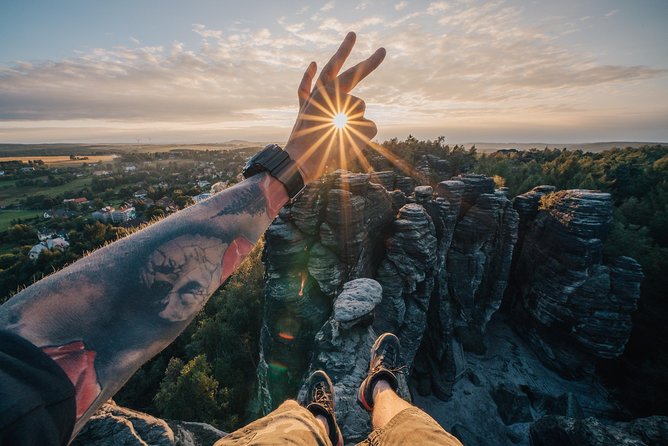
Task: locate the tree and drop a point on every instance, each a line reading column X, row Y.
column 23, row 234
column 188, row 392
column 183, row 201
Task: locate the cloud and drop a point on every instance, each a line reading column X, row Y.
column 362, row 6
column 328, row 6
column 437, row 7
column 466, row 64
column 612, row 13
column 401, row 5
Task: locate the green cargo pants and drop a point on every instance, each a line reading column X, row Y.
column 291, row 424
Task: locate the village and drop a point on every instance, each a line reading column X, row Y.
column 51, row 215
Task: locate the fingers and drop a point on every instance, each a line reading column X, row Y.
column 352, row 76
column 304, row 89
column 332, row 68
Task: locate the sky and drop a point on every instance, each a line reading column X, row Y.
column 205, row 71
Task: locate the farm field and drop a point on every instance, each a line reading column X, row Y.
column 60, row 160
column 13, row 194
column 7, row 216
column 34, row 151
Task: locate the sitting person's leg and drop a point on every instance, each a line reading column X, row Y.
column 292, row 424
column 394, row 420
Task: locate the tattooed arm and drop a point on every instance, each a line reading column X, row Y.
column 102, row 317
column 105, row 315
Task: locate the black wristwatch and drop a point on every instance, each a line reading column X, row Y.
column 277, row 163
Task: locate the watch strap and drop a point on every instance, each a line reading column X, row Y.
column 277, row 162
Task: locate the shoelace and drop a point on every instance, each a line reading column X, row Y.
column 321, row 396
column 378, row 363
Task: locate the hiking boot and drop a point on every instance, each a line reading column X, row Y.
column 320, row 401
column 384, row 365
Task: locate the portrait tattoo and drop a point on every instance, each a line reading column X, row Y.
column 186, row 271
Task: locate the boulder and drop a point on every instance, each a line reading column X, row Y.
column 326, row 268
column 358, row 299
column 307, row 210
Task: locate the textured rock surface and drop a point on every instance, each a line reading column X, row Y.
column 512, row 404
column 556, row 430
column 498, row 395
column 342, row 348
column 433, row 167
column 407, row 277
column 116, row 425
column 572, row 306
column 357, row 300
column 187, row 433
column 443, row 257
column 479, row 259
column 334, row 233
column 476, row 230
column 349, row 226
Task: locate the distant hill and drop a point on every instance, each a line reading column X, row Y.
column 102, row 149
column 586, row 147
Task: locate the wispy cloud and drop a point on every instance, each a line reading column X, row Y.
column 401, row 5
column 362, row 6
column 465, row 64
column 612, row 13
column 437, row 7
column 328, row 6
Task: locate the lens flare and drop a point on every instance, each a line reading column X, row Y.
column 340, row 120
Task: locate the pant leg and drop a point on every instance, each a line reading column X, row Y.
column 411, row 426
column 289, row 424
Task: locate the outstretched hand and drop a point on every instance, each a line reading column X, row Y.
column 316, row 143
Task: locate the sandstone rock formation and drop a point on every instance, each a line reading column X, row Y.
column 572, row 304
column 557, row 430
column 350, row 226
column 332, row 234
column 443, row 257
column 476, row 229
column 342, row 349
column 113, row 425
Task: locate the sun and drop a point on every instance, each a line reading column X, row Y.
column 341, row 123
column 340, row 120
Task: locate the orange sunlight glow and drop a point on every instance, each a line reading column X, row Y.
column 301, row 289
column 344, row 123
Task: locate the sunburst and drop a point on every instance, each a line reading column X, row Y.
column 342, row 122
